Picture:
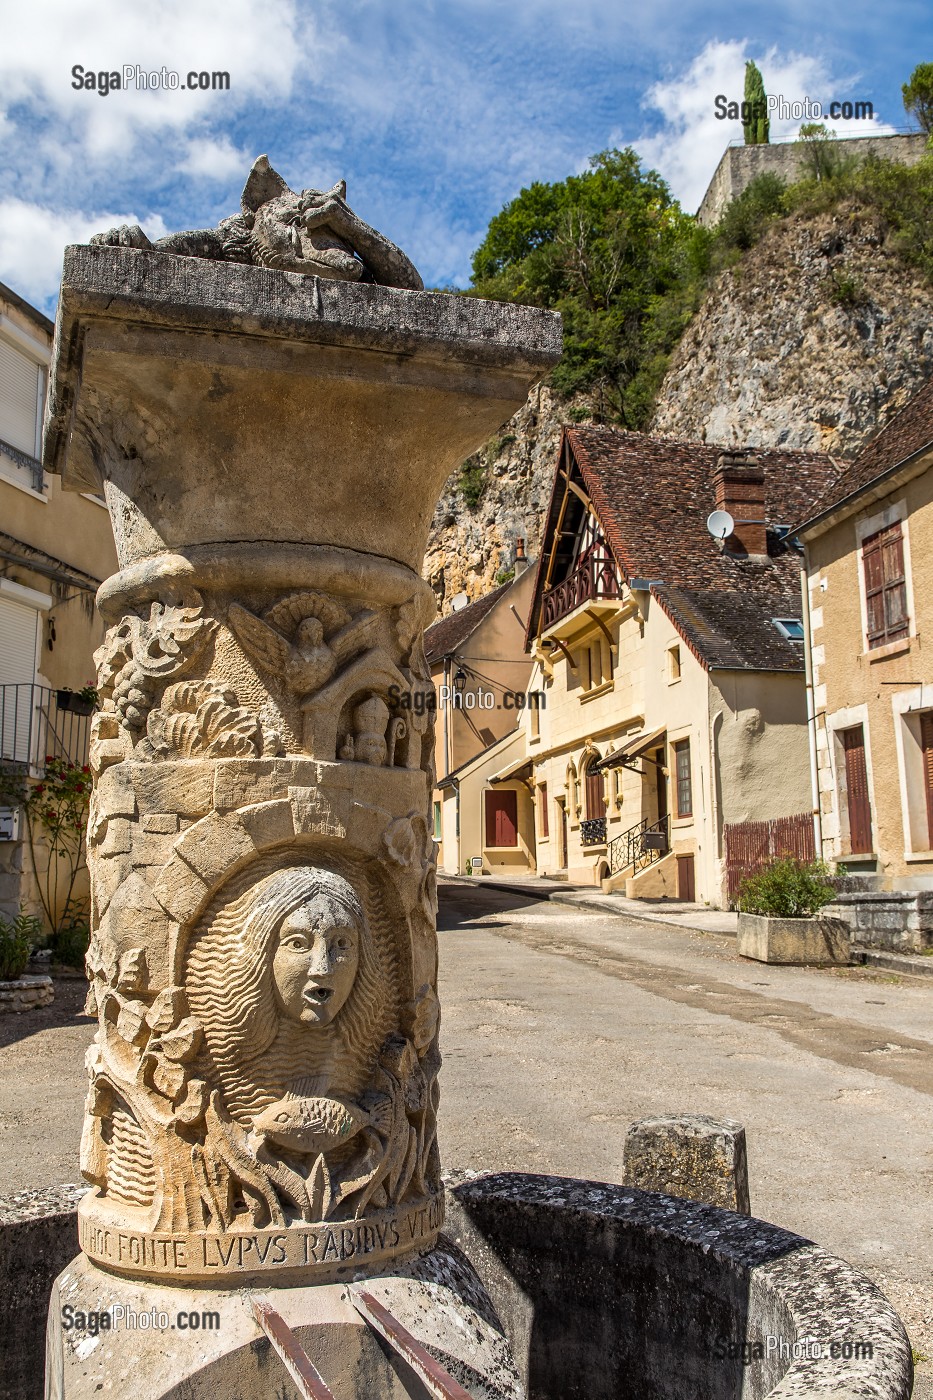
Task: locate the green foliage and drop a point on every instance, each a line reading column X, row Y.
column 472, row 480
column 56, row 809
column 918, row 96
column 70, row 942
column 613, row 252
column 821, row 157
column 901, row 195
column 757, row 128
column 18, row 937
column 787, row 889
column 747, row 216
column 845, row 290
column 504, row 576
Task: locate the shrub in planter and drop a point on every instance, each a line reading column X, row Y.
column 17, row 937
column 787, row 889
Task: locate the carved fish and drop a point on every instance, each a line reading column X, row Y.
column 315, row 1125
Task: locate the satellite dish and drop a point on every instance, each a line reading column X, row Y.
column 459, row 601
column 720, row 524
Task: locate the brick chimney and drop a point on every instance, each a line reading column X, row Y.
column 739, row 480
column 521, row 558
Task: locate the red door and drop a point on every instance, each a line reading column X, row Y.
column 686, row 879
column 859, row 806
column 501, row 818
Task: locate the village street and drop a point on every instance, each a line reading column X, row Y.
column 561, row 1026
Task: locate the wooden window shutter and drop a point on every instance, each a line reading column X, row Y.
column 501, row 818
column 19, row 399
column 858, row 803
column 885, row 586
column 543, row 810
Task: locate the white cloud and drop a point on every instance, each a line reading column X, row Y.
column 33, row 240
column 252, row 40
column 692, row 138
column 215, row 159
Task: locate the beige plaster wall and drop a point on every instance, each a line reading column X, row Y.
column 473, row 783
column 884, row 690
column 495, row 651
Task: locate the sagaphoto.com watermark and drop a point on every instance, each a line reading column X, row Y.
column 778, row 108
column 119, row 1316
column 133, row 78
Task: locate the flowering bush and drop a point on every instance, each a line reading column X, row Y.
column 17, row 939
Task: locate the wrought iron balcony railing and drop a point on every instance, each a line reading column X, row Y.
column 640, row 846
column 37, row 723
column 594, row 577
column 593, row 831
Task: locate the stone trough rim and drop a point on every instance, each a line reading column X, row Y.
column 804, row 1277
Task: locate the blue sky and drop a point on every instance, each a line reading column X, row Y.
column 436, row 113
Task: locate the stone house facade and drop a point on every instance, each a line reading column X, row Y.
column 671, row 660
column 55, row 549
column 869, row 575
column 480, row 671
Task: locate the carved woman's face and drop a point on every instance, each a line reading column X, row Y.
column 315, row 963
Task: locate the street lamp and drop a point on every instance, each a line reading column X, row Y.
column 460, row 680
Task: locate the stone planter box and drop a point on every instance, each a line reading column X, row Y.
column 800, row 941
column 26, row 993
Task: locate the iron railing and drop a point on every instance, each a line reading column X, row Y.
column 37, row 723
column 593, row 831
column 594, row 577
column 27, row 463
column 642, row 845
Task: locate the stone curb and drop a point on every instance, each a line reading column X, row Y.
column 904, row 963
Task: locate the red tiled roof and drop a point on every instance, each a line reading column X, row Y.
column 653, row 497
column 445, row 636
column 908, row 432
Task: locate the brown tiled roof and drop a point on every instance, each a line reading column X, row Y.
column 908, row 432
column 653, row 497
column 444, row 637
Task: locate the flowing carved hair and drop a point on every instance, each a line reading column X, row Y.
column 228, row 977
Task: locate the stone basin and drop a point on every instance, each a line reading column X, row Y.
column 609, row 1293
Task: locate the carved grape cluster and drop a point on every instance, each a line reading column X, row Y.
column 132, row 695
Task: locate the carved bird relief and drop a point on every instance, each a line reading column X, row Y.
column 304, row 638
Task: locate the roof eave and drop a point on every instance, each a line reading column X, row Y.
column 902, row 472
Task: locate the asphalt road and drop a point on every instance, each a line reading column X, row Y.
column 561, row 1026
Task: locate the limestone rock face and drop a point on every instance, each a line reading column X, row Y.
column 813, row 341
column 468, row 548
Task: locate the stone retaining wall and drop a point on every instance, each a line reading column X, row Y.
column 899, row 921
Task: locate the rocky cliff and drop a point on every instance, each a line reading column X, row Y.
column 813, row 340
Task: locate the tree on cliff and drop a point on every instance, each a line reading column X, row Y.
column 613, row 252
column 918, row 96
column 755, row 121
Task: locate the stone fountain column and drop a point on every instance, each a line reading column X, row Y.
column 263, row 1086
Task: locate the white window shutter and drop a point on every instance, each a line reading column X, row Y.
column 19, row 398
column 19, row 626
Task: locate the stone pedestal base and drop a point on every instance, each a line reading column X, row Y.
column 167, row 1343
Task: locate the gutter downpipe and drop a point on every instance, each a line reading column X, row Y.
column 811, row 705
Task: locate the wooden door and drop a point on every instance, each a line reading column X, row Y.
column 686, row 879
column 857, row 799
column 562, row 853
column 501, row 818
column 595, row 794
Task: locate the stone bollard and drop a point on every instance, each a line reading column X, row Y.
column 691, row 1156
column 271, row 444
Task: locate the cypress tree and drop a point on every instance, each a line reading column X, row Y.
column 757, row 127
